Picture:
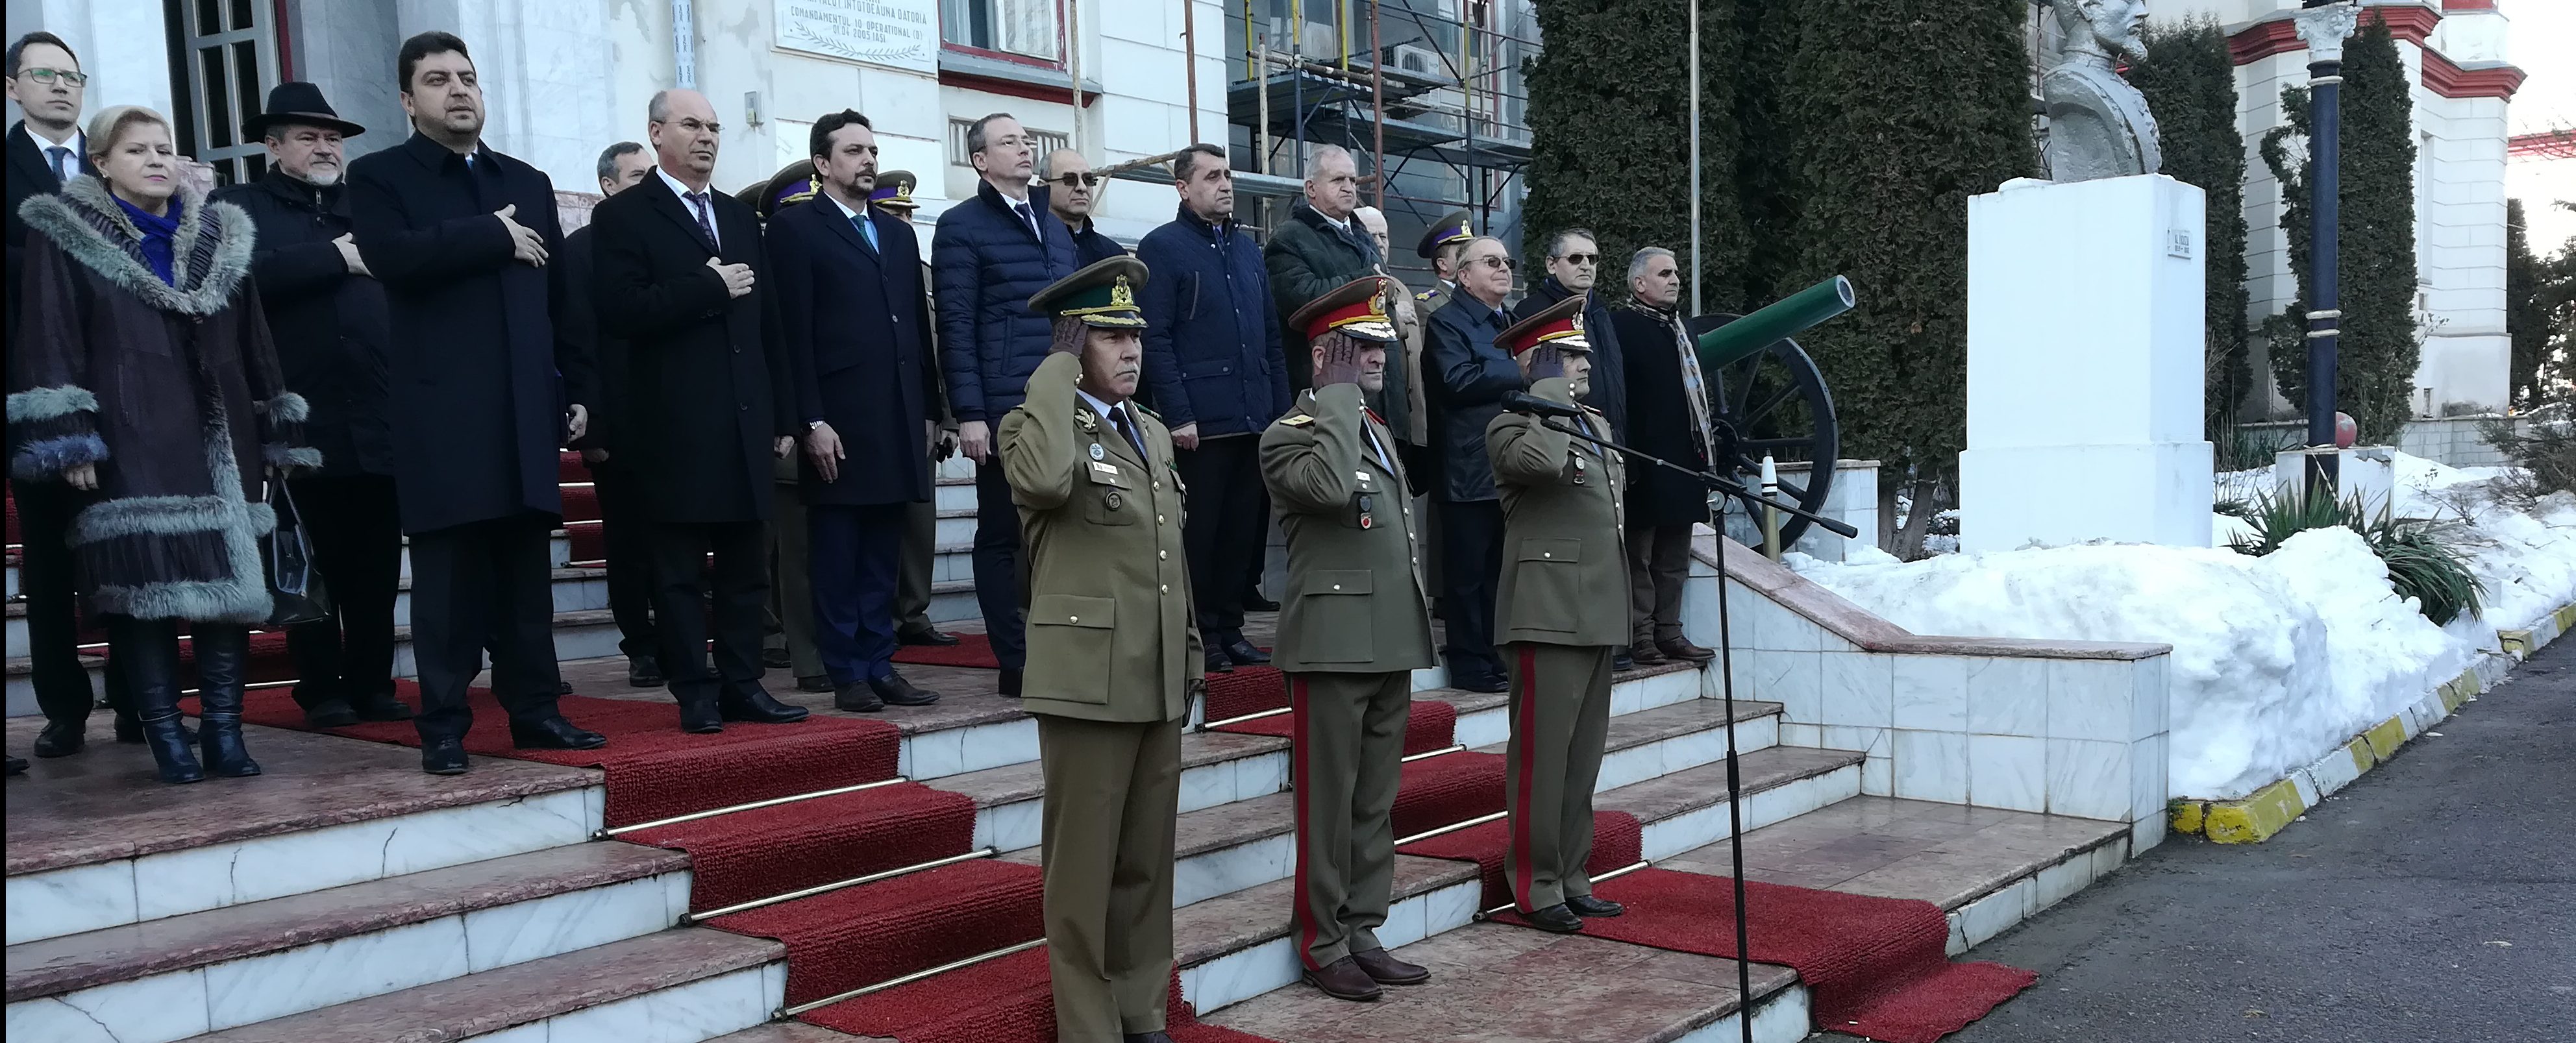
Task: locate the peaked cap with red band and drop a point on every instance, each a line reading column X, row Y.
column 1559, row 327
column 1356, row 308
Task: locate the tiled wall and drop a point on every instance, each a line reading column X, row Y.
column 2070, row 728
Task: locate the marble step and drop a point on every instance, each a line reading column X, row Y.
column 1236, row 946
column 575, row 590
column 95, row 841
column 244, row 964
column 684, row 985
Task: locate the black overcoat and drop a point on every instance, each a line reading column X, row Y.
column 699, row 415
column 854, row 327
column 480, row 380
column 1466, row 376
column 329, row 325
column 1609, row 381
column 1659, row 422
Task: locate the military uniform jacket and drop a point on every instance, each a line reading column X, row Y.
column 1356, row 602
column 1565, row 555
column 1110, row 633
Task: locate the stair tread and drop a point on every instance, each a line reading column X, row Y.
column 1664, row 722
column 65, row 964
column 21, row 666
column 1026, row 781
column 791, row 1032
column 521, row 993
column 1690, row 789
column 1888, row 847
column 105, row 804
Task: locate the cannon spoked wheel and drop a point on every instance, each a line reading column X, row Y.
column 1774, row 402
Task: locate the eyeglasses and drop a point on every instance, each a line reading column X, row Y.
column 1582, row 258
column 50, row 75
column 1491, row 261
column 1071, row 180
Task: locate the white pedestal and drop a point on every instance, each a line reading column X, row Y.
column 2368, row 472
column 2085, row 341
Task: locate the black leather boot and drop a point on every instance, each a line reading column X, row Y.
column 223, row 667
column 149, row 652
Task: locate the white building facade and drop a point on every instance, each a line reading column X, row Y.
column 2455, row 54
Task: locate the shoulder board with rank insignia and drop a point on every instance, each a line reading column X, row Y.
column 1299, row 420
column 1422, row 296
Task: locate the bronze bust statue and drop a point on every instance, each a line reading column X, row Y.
column 2098, row 125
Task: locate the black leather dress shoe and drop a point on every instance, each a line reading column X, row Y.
column 701, row 717
column 330, row 713
column 61, row 739
column 816, row 683
column 856, row 697
column 1589, row 907
column 933, row 637
column 1243, row 654
column 1488, row 684
column 1644, row 653
column 554, row 733
column 17, row 765
column 563, row 688
column 757, row 706
column 895, row 691
column 1217, row 663
column 443, row 757
column 1010, row 684
column 1621, row 661
column 1257, row 603
column 1383, row 968
column 1682, row 648
column 380, row 706
column 1343, row 979
column 1556, row 918
column 1148, row 1037
column 644, row 672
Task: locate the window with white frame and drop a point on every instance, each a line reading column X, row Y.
column 1026, row 28
column 1041, row 142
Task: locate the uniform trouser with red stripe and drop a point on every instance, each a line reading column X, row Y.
column 1560, row 710
column 1112, row 792
column 1350, row 747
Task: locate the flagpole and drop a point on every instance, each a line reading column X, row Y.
column 1695, row 308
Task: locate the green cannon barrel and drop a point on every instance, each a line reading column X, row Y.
column 1787, row 318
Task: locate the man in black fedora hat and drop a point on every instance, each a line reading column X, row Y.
column 328, row 317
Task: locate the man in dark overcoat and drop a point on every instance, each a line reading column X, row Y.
column 625, row 527
column 1320, row 248
column 327, row 316
column 1667, row 417
column 854, row 332
column 1466, row 376
column 483, row 394
column 677, row 276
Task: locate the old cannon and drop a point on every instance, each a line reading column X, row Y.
column 1766, row 397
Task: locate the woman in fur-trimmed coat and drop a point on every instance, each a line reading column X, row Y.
column 150, row 385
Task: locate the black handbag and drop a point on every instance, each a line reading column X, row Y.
column 294, row 584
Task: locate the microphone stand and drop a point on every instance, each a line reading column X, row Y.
column 1726, row 678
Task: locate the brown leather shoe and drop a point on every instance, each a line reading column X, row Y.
column 1383, row 968
column 1343, row 979
column 1681, row 648
column 1644, row 653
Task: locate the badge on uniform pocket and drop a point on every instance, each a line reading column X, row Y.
column 1098, row 453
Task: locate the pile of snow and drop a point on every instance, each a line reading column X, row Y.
column 2277, row 659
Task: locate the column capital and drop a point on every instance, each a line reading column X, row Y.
column 2325, row 28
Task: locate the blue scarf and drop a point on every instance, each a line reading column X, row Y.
column 158, row 233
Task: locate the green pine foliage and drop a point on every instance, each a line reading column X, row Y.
column 2526, row 309
column 2190, row 84
column 2425, row 561
column 2378, row 350
column 1901, row 112
column 1610, row 112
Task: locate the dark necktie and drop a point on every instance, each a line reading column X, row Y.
column 706, row 229
column 59, row 157
column 1029, row 219
column 1118, row 417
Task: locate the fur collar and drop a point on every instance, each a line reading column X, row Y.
column 211, row 251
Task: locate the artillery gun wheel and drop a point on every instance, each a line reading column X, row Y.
column 1774, row 402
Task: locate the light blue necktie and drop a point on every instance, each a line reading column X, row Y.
column 867, row 229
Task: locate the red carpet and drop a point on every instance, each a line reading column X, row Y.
column 771, row 851
column 1001, row 1001
column 1874, row 967
column 1248, row 689
column 1427, row 727
column 654, row 770
column 971, row 650
column 862, row 935
column 1616, row 837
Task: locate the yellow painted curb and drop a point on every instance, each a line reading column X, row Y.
column 2386, row 737
column 2255, row 818
column 2362, row 759
column 2188, row 815
column 2516, row 642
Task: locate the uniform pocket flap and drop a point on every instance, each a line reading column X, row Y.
column 1110, row 474
column 1068, row 610
column 1340, row 581
column 1551, row 550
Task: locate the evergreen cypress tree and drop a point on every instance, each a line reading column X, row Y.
column 2526, row 312
column 2378, row 350
column 2190, row 84
column 1901, row 112
column 1609, row 114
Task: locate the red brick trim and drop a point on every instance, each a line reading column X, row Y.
column 2281, row 35
column 2468, row 5
column 2445, row 77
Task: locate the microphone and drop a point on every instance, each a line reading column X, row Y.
column 1527, row 404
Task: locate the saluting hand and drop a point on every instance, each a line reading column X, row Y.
column 1542, row 363
column 1337, row 361
column 526, row 243
column 737, row 277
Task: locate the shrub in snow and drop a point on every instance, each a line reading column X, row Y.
column 2423, row 564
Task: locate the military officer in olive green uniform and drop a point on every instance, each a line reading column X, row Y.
column 1440, row 245
column 1354, row 626
column 1113, row 654
column 1558, row 609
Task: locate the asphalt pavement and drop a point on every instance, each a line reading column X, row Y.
column 2430, row 902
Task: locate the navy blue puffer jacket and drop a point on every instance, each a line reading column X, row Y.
column 985, row 265
column 1211, row 340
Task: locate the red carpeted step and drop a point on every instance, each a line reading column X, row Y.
column 580, row 503
column 569, row 468
column 1875, row 967
column 999, row 1001
column 1617, row 840
column 588, row 539
column 653, row 769
column 1446, row 790
column 1429, row 726
column 862, row 935
column 771, row 851
column 1249, row 689
column 13, row 515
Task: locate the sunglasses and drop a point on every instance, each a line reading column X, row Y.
column 51, row 75
column 1492, row 261
column 1582, row 258
column 1071, row 180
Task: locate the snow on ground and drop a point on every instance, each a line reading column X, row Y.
column 2276, row 659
